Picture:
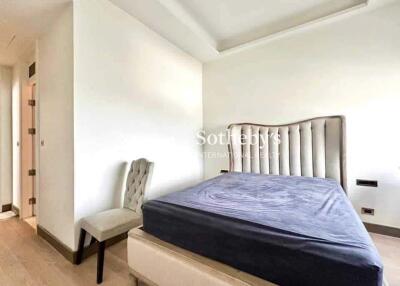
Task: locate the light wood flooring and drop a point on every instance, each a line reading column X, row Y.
column 389, row 249
column 26, row 259
column 31, row 221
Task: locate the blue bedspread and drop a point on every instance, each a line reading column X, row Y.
column 287, row 230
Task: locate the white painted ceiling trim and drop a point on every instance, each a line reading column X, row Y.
column 293, row 29
column 242, row 23
column 177, row 22
column 180, row 13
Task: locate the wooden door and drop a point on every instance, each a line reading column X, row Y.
column 28, row 133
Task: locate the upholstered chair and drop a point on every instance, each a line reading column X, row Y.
column 114, row 222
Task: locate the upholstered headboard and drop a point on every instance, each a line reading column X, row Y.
column 311, row 148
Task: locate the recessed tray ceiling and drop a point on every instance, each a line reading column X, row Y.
column 208, row 29
column 235, row 22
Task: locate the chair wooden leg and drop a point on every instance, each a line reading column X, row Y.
column 100, row 261
column 133, row 281
column 80, row 246
column 92, row 240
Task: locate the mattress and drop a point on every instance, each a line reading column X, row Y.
column 285, row 229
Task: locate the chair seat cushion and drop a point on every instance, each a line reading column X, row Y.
column 110, row 223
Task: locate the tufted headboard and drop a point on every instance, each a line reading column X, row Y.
column 311, row 148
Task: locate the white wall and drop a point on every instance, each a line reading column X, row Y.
column 5, row 136
column 351, row 67
column 16, row 113
column 136, row 95
column 19, row 84
column 55, row 85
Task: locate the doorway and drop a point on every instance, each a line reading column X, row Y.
column 28, row 155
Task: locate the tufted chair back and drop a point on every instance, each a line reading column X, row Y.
column 137, row 183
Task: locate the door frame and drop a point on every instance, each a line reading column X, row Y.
column 26, row 209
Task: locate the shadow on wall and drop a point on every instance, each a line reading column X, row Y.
column 119, row 188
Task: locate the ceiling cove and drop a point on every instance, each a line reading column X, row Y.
column 208, row 29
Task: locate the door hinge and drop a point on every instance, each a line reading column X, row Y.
column 32, row 201
column 31, row 102
column 32, row 131
column 32, row 172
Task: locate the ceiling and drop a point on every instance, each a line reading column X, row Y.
column 207, row 29
column 21, row 22
column 234, row 22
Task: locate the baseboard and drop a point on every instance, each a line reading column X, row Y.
column 382, row 229
column 6, row 208
column 56, row 243
column 67, row 252
column 15, row 210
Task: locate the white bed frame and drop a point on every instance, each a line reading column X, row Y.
column 158, row 263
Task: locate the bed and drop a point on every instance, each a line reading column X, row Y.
column 281, row 215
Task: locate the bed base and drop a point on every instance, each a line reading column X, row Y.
column 153, row 262
column 157, row 263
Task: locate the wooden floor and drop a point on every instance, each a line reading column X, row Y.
column 389, row 249
column 31, row 221
column 26, row 259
